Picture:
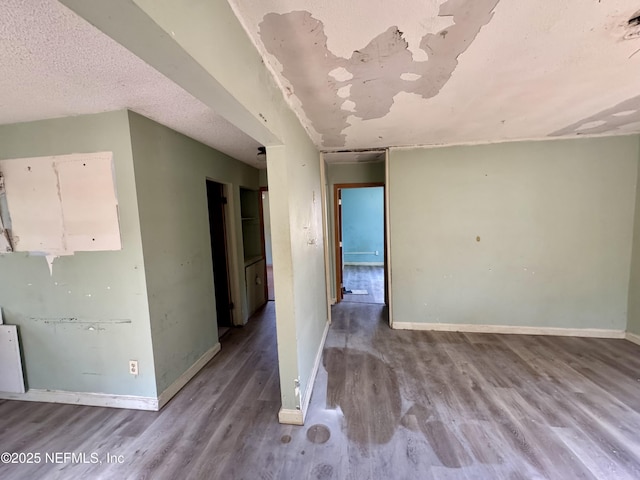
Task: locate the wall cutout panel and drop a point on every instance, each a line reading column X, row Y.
column 11, row 376
column 61, row 205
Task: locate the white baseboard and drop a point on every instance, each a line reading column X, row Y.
column 183, row 379
column 297, row 417
column 632, row 337
column 111, row 400
column 82, row 398
column 312, row 379
column 511, row 329
column 290, row 417
column 365, row 264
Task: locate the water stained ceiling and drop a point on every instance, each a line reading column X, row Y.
column 373, row 73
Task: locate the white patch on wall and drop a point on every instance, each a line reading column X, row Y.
column 11, row 376
column 63, row 204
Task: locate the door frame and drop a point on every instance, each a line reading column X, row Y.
column 261, row 190
column 223, row 190
column 337, row 227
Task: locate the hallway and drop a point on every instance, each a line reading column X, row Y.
column 363, row 278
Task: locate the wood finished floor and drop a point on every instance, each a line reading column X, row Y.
column 270, row 290
column 387, row 404
column 364, row 277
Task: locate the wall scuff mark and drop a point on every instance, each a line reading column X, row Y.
column 372, row 75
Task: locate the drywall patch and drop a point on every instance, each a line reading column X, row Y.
column 606, row 121
column 375, row 73
column 61, row 204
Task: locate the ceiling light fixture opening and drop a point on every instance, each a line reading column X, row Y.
column 261, row 156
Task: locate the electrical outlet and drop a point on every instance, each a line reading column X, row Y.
column 133, row 367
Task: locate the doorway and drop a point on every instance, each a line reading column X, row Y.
column 217, row 201
column 360, row 243
column 265, row 220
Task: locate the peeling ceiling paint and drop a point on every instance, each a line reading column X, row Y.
column 374, row 74
column 359, row 74
column 431, row 72
column 612, row 119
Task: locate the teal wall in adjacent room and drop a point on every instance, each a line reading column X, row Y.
column 363, row 225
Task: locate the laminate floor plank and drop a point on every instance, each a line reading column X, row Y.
column 386, row 404
column 363, row 277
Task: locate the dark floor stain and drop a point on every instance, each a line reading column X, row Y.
column 415, row 413
column 299, row 42
column 322, row 471
column 285, row 439
column 367, row 391
column 318, row 434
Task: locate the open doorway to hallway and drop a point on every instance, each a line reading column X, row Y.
column 217, row 201
column 360, row 243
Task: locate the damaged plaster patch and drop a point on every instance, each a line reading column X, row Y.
column 348, row 106
column 344, row 92
column 625, row 113
column 341, row 74
column 410, row 77
column 606, row 121
column 376, row 73
column 591, row 125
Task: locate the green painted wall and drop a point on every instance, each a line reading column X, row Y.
column 346, row 173
column 237, row 84
column 634, row 282
column 171, row 172
column 298, row 258
column 104, row 291
column 355, row 173
column 526, row 234
column 262, row 178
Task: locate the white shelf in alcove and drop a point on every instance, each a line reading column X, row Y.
column 251, row 260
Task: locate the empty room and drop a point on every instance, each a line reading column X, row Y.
column 329, row 240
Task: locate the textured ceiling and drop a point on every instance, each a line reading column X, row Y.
column 373, row 73
column 54, row 64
